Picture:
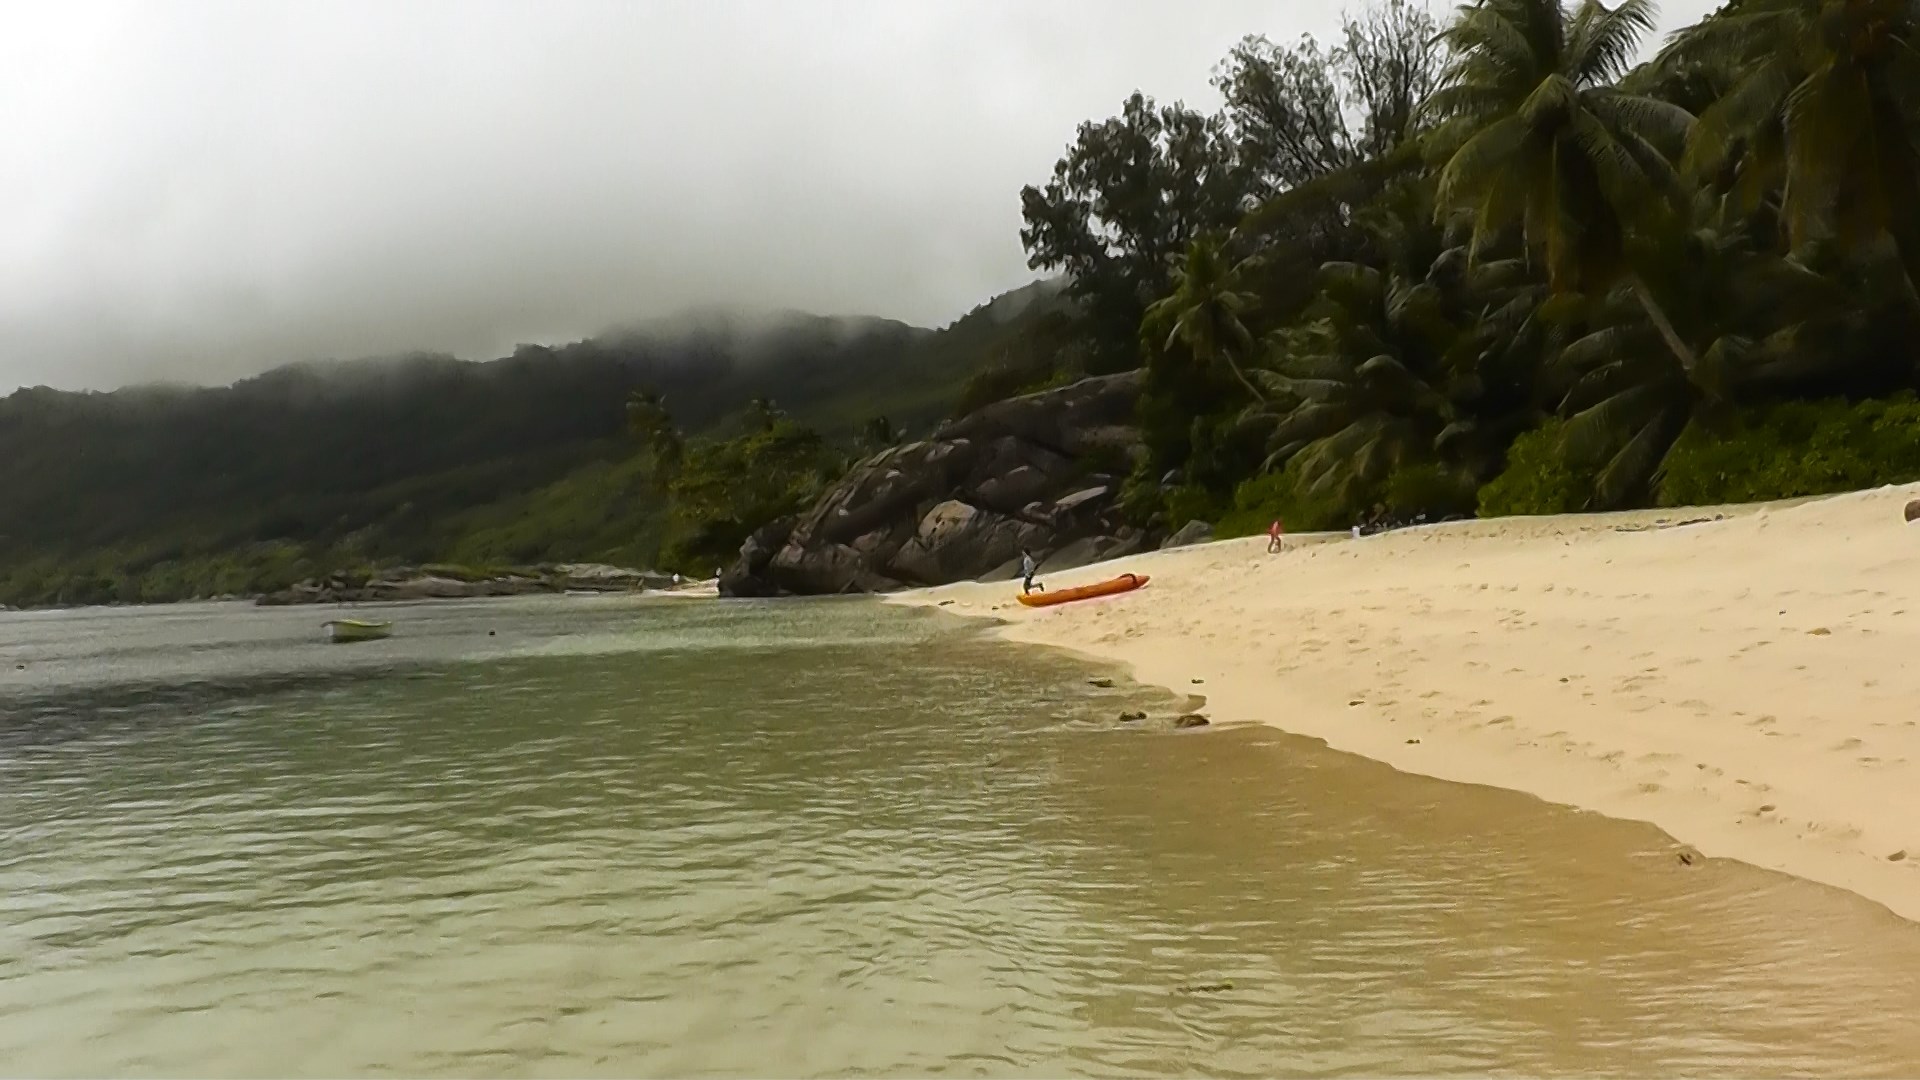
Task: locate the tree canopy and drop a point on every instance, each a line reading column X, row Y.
column 1493, row 243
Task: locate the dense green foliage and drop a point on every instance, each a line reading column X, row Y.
column 165, row 493
column 727, row 488
column 1795, row 448
column 1440, row 265
column 1487, row 263
column 1540, row 478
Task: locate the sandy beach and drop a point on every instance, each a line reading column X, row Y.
column 1749, row 683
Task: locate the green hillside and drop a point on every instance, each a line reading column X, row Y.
column 161, row 493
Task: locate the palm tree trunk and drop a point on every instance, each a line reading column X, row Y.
column 1227, row 355
column 1664, row 325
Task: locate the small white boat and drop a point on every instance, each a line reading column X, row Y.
column 342, row 631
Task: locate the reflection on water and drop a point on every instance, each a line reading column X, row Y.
column 632, row 838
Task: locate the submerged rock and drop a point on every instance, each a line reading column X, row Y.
column 1191, row 720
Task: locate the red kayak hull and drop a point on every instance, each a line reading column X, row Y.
column 1125, row 583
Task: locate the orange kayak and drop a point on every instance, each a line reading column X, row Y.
column 1111, row 587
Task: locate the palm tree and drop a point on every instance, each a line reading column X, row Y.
column 1426, row 357
column 1823, row 106
column 877, row 434
column 1534, row 134
column 763, row 415
column 1204, row 313
column 1353, row 419
column 1627, row 401
column 1365, row 380
column 649, row 419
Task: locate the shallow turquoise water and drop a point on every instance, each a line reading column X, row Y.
column 572, row 836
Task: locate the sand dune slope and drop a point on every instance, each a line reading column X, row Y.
column 1751, row 685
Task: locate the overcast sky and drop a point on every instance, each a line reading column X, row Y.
column 197, row 190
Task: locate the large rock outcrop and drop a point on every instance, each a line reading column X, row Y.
column 1040, row 471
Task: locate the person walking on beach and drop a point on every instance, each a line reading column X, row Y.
column 1274, row 532
column 1027, row 569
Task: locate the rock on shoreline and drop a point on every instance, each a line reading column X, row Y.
column 452, row 583
column 1040, row 472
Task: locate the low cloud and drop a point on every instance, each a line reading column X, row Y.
column 204, row 190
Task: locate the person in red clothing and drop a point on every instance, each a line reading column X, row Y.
column 1274, row 532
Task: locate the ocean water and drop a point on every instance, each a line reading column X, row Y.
column 629, row 837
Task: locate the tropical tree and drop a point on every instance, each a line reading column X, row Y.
column 1299, row 113
column 1534, row 134
column 1822, row 107
column 649, row 419
column 763, row 414
column 1123, row 204
column 1365, row 383
column 877, row 434
column 1416, row 354
column 1205, row 313
column 1747, row 310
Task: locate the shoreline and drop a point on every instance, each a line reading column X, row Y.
column 1742, row 678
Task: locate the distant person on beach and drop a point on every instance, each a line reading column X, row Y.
column 1027, row 569
column 1274, row 532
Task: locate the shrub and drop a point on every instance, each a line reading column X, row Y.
column 1191, row 503
column 1432, row 489
column 1140, row 500
column 1795, row 448
column 1538, row 479
column 1257, row 502
column 1010, row 379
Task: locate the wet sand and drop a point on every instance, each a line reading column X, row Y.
column 1746, row 680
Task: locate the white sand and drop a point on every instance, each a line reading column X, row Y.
column 1750, row 685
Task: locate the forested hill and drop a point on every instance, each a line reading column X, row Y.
column 163, row 492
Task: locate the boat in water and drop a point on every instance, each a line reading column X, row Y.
column 1110, row 587
column 342, row 631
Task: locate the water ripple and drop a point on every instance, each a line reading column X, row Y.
column 715, row 840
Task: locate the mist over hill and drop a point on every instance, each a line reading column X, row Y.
column 424, row 456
